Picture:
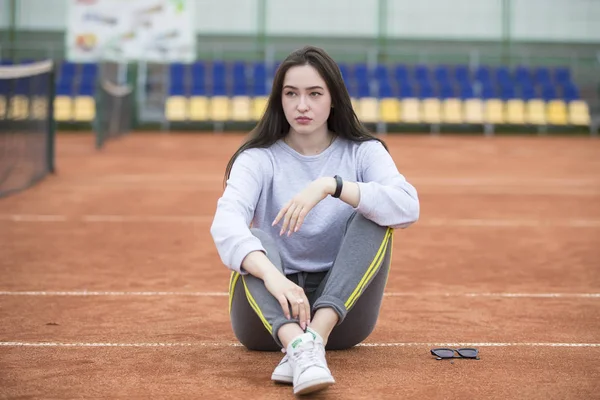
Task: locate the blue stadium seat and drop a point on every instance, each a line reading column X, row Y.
column 426, row 91
column 89, row 70
column 502, row 76
column 522, row 74
column 570, row 93
column 240, row 89
column 6, row 62
column 386, row 90
column 361, row 74
column 239, row 70
column 363, row 90
column 548, row 92
column 64, row 88
column 527, row 92
column 447, row 92
column 421, row 74
column 401, row 73
column 461, row 74
column 381, row 73
column 541, row 76
column 344, row 70
column 198, row 89
column 442, row 74
column 483, row 74
column 177, row 89
column 507, row 92
column 488, row 92
column 562, row 75
column 466, row 92
column 219, row 90
column 86, row 89
column 406, row 90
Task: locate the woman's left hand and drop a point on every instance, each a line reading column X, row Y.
column 295, row 210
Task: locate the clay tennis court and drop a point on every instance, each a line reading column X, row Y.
column 112, row 287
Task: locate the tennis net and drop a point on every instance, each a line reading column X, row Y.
column 114, row 111
column 26, row 125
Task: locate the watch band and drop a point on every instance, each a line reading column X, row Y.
column 339, row 183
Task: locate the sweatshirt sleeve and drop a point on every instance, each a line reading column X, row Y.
column 386, row 198
column 235, row 210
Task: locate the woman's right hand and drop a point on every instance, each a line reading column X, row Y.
column 288, row 293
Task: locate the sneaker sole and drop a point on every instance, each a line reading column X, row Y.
column 282, row 378
column 313, row 386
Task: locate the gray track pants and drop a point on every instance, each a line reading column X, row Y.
column 353, row 287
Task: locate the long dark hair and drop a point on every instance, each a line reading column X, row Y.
column 342, row 118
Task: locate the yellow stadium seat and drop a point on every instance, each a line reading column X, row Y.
column 557, row 112
column 240, row 108
column 84, row 108
column 410, row 111
column 176, row 108
column 432, row 111
column 452, row 111
column 515, row 112
column 389, row 110
column 368, row 109
column 219, row 109
column 579, row 113
column 494, row 111
column 259, row 106
column 198, row 108
column 473, row 111
column 2, row 107
column 39, row 108
column 535, row 112
column 18, row 108
column 63, row 108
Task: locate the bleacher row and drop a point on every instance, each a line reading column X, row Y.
column 396, row 94
column 392, row 94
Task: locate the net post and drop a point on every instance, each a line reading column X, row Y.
column 51, row 122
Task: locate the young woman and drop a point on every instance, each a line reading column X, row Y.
column 305, row 223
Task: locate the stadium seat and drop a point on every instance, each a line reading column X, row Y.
column 557, row 112
column 452, row 111
column 494, row 111
column 18, row 108
column 241, row 108
column 259, row 106
column 2, row 107
column 176, row 108
column 84, row 105
column 432, row 111
column 84, row 108
column 198, row 108
column 578, row 113
column 473, row 111
column 410, row 111
column 389, row 110
column 63, row 108
column 219, row 108
column 515, row 112
column 368, row 109
column 535, row 112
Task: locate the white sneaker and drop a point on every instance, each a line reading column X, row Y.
column 307, row 358
column 283, row 372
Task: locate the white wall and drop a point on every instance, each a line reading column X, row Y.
column 556, row 20
column 322, row 17
column 4, row 14
column 237, row 17
column 539, row 20
column 37, row 15
column 455, row 19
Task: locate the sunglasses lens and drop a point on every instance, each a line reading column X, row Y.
column 443, row 353
column 470, row 353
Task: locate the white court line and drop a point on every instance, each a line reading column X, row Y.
column 462, row 222
column 225, row 294
column 231, row 344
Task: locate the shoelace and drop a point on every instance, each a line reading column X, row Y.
column 306, row 357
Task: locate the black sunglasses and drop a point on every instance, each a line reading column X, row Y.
column 443, row 353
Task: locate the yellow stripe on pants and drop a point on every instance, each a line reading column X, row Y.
column 374, row 267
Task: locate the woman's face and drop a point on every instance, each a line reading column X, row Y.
column 306, row 100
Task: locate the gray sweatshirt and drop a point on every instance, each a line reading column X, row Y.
column 263, row 180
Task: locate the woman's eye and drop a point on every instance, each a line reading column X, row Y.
column 315, row 94
column 290, row 93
